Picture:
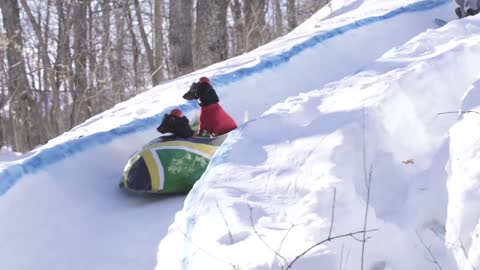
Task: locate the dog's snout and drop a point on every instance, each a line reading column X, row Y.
column 189, row 95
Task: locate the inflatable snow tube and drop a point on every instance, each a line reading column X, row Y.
column 169, row 165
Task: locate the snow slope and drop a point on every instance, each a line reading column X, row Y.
column 316, row 98
column 463, row 224
column 6, row 154
column 275, row 204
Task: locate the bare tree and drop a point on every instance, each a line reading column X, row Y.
column 22, row 103
column 46, row 70
column 238, row 27
column 82, row 57
column 3, row 95
column 105, row 50
column 278, row 17
column 317, row 4
column 210, row 32
column 254, row 18
column 116, row 60
column 92, row 58
column 180, row 35
column 80, row 110
column 291, row 14
column 136, row 53
column 158, row 40
column 146, row 44
column 306, row 8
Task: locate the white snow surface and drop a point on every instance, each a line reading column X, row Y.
column 365, row 90
column 6, row 154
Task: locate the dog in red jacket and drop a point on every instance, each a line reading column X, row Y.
column 212, row 118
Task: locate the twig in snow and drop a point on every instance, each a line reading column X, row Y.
column 261, row 239
column 364, row 148
column 359, row 240
column 368, row 185
column 460, row 112
column 330, row 237
column 341, row 257
column 466, row 255
column 437, row 234
column 208, row 253
column 226, row 224
column 333, row 212
column 346, row 257
column 327, row 240
column 364, row 240
column 429, row 250
column 285, row 237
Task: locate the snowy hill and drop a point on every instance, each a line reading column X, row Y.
column 357, row 90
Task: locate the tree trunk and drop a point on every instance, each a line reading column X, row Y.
column 180, row 35
column 61, row 65
column 239, row 38
column 2, row 127
column 254, row 17
column 278, row 18
column 101, row 70
column 291, row 14
column 320, row 3
column 3, row 96
column 48, row 73
column 158, row 40
column 116, row 60
column 92, row 99
column 135, row 51
column 22, row 104
column 80, row 50
column 148, row 49
column 210, row 33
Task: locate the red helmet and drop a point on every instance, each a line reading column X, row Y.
column 204, row 80
column 176, row 112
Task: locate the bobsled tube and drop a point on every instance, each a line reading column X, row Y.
column 169, row 164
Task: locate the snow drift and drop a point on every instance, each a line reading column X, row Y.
column 267, row 211
column 363, row 87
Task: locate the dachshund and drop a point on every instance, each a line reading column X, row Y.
column 212, row 118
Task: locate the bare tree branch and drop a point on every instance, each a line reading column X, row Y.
column 368, row 185
column 341, row 257
column 208, row 253
column 285, row 237
column 357, row 239
column 261, row 238
column 146, row 44
column 367, row 204
column 333, row 212
column 459, row 112
column 327, row 240
column 226, row 223
column 432, row 257
column 466, row 254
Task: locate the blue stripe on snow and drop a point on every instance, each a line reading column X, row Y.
column 48, row 156
column 45, row 157
column 273, row 61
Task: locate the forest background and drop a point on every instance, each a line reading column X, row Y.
column 64, row 61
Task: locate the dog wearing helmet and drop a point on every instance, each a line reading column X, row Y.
column 176, row 123
column 212, row 118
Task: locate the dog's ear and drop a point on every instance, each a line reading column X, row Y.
column 165, row 126
column 162, row 128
